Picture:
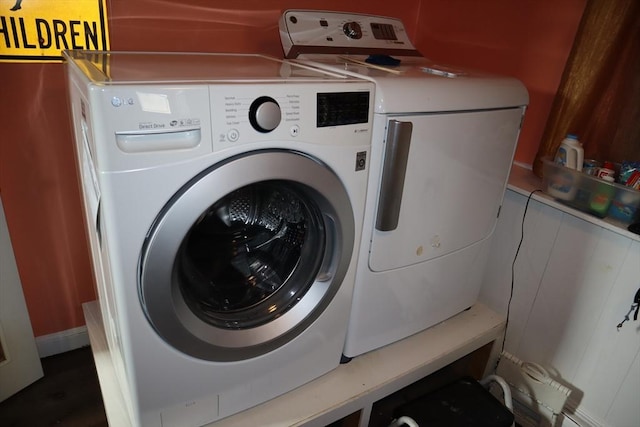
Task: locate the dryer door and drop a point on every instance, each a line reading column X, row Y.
column 246, row 255
column 442, row 187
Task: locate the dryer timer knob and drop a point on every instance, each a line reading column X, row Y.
column 353, row 30
column 264, row 114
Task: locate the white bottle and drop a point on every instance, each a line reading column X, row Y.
column 570, row 153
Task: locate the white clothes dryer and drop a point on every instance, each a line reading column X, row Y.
column 224, row 199
column 443, row 143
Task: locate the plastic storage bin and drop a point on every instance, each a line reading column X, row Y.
column 590, row 194
column 463, row 403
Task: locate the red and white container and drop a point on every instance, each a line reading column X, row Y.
column 607, row 170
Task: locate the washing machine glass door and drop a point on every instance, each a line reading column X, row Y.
column 231, row 272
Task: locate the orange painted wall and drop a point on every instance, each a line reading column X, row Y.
column 528, row 39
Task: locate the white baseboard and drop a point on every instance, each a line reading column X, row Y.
column 580, row 417
column 62, row 341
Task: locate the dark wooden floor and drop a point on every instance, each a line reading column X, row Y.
column 67, row 396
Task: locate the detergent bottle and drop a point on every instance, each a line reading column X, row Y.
column 570, row 153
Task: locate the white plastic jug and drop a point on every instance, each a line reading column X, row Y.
column 570, row 153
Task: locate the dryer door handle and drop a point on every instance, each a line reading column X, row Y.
column 393, row 173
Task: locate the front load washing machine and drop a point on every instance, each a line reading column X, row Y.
column 442, row 147
column 224, row 198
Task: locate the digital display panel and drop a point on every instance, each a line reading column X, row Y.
column 342, row 108
column 383, row 31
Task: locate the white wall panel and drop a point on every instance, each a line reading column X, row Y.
column 540, row 228
column 609, row 355
column 582, row 269
column 625, row 410
column 574, row 282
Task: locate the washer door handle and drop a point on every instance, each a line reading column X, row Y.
column 393, row 173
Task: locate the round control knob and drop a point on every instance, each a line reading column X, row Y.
column 352, row 30
column 264, row 114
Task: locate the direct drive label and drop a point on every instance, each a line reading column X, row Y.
column 39, row 30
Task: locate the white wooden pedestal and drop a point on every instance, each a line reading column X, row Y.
column 350, row 388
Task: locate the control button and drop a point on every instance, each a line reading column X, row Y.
column 295, row 130
column 233, row 135
column 264, row 114
column 116, row 102
column 352, row 30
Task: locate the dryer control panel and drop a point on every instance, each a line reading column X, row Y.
column 313, row 31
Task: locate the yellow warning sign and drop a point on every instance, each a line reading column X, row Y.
column 39, row 30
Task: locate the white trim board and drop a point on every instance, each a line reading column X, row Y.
column 63, row 341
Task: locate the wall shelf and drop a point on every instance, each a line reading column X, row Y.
column 523, row 181
column 351, row 388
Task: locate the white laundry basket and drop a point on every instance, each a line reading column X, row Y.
column 537, row 398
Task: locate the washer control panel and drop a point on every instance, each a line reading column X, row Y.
column 311, row 112
column 173, row 123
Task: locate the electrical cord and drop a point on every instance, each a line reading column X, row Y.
column 513, row 264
